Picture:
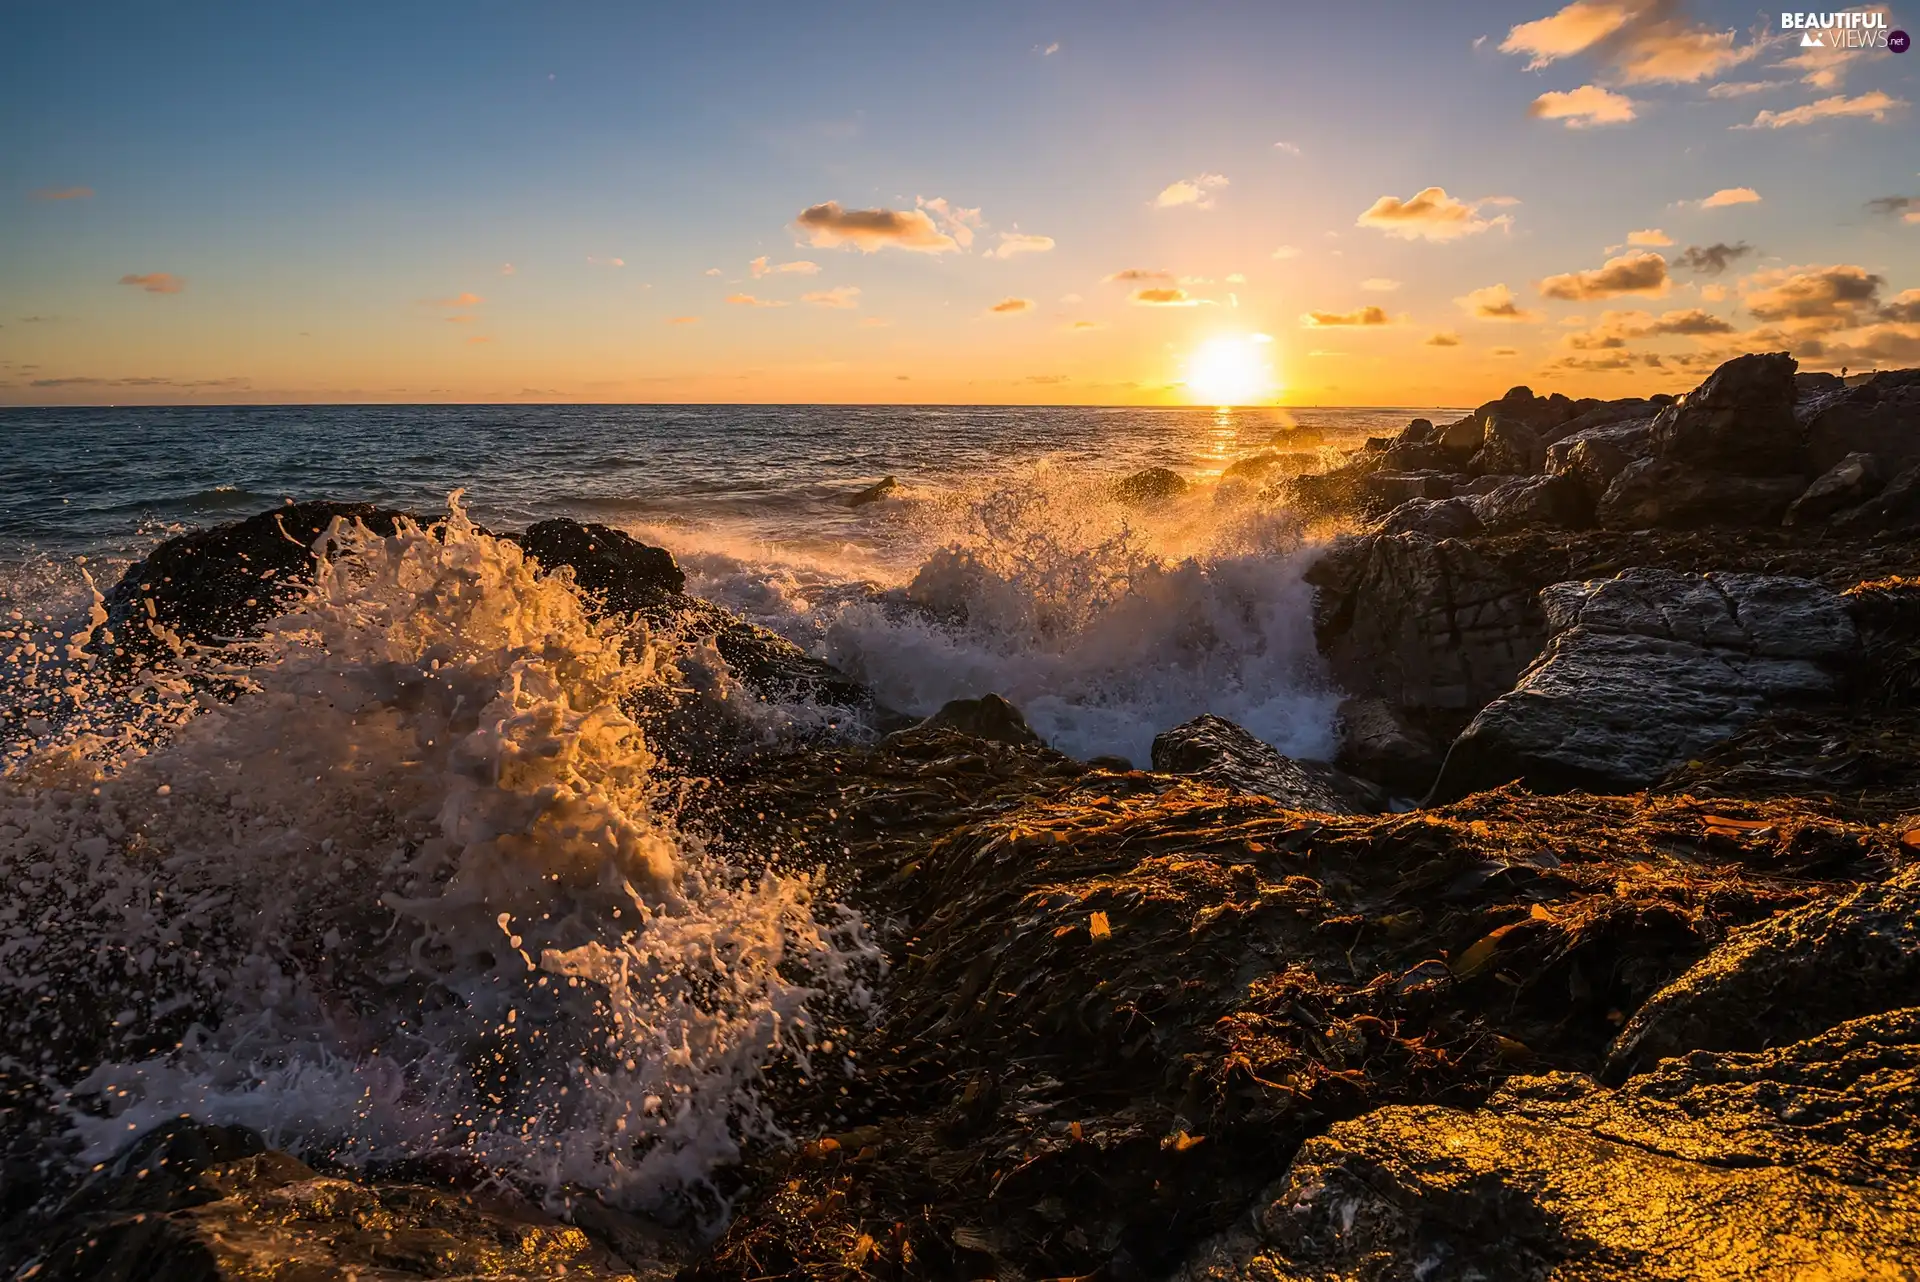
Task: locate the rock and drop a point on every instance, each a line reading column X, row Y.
column 1848, row 483
column 1376, row 743
column 1337, row 491
column 1880, row 417
column 1594, row 456
column 1418, row 432
column 1786, row 979
column 1807, row 385
column 195, row 1203
column 230, row 580
column 886, row 487
column 1644, row 671
column 1377, row 444
column 1795, row 1162
column 1894, row 510
column 1631, row 409
column 1388, row 489
column 1739, row 421
column 1255, row 467
column 1462, row 436
column 1657, row 492
column 1508, row 446
column 1150, row 487
column 1404, row 456
column 1217, row 751
column 1533, row 501
column 988, row 717
column 1299, row 438
column 1480, row 485
column 1432, row 519
column 1433, row 628
column 624, row 574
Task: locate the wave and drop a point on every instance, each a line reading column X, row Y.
column 416, row 889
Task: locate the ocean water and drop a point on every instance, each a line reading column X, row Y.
column 419, row 889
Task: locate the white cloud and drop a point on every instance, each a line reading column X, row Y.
column 1196, row 191
column 1430, row 215
column 1013, row 242
column 1380, row 284
column 1731, row 196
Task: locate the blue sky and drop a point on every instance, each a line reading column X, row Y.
column 292, row 203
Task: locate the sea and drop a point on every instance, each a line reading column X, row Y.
column 409, row 889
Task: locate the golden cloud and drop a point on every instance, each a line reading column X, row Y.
column 1360, row 316
column 761, row 267
column 158, row 282
column 1430, row 215
column 844, row 296
column 1644, row 273
column 1494, row 303
column 1731, row 196
column 1445, row 338
column 1587, row 105
column 829, row 226
column 1649, row 236
column 1616, row 329
column 1134, row 275
column 1011, row 306
column 748, row 300
column 1196, row 191
column 1874, row 106
column 1572, row 30
column 1835, row 296
column 1165, row 297
column 1013, row 242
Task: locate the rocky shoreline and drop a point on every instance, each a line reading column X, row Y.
column 1633, row 991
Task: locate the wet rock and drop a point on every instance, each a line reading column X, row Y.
column 1218, row 751
column 1417, row 457
column 1643, row 671
column 988, row 717
column 1658, row 492
column 1431, row 519
column 1434, row 628
column 1388, row 489
column 1880, row 416
column 624, row 574
column 228, row 581
column 1299, row 438
column 1632, row 409
column 1376, row 743
column 1480, row 485
column 1848, row 483
column 1788, row 1163
column 1337, row 491
column 1532, row 501
column 886, row 487
column 1508, row 446
column 1150, row 487
column 1895, row 510
column 1593, row 459
column 1786, row 979
column 1739, row 421
column 1418, row 432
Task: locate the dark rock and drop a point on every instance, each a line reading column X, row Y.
column 1387, row 489
column 1895, row 510
column 1508, row 446
column 1880, row 417
column 1376, row 444
column 1848, row 483
column 1786, row 979
column 1794, row 1162
column 1150, row 487
column 1376, row 743
column 1604, row 414
column 1739, row 421
column 1219, row 752
column 1533, row 501
column 886, row 487
column 1594, row 456
column 1337, row 491
column 1417, row 432
column 624, row 574
column 1256, row 467
column 1430, row 627
column 228, row 581
column 1405, row 456
column 1644, row 671
column 1480, row 485
column 1299, row 438
column 1432, row 519
column 988, row 717
column 1658, row 492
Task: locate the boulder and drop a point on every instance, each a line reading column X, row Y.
column 1217, row 751
column 1418, row 432
column 1434, row 628
column 1337, row 491
column 1740, row 421
column 1482, row 485
column 1785, row 979
column 1530, row 501
column 1594, row 456
column 1300, row 437
column 989, row 717
column 1149, row 487
column 1880, row 417
column 1795, row 1162
column 622, row 573
column 1631, row 409
column 1432, row 519
column 1660, row 493
column 1508, row 446
column 1894, row 510
column 1388, row 489
column 1646, row 670
column 1405, row 456
column 1376, row 743
column 886, row 487
column 1848, row 483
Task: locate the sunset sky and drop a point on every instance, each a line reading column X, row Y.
column 1052, row 202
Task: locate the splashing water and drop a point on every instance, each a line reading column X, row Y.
column 414, row 891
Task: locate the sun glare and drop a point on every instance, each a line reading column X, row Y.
column 1231, row 369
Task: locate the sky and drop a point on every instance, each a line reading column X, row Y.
column 1051, row 202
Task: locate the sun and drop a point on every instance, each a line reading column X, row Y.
column 1230, row 369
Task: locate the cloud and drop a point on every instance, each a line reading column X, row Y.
column 1430, row 215
column 1286, row 251
column 957, row 222
column 1291, row 148
column 1711, row 260
column 843, row 296
column 1713, row 293
column 189, row 384
column 458, row 300
column 1133, row 275
column 683, row 320
column 1050, row 50
column 713, row 271
column 748, row 300
column 1504, row 352
column 1164, row 298
column 1891, row 205
column 1644, row 273
column 1379, row 284
column 1904, row 309
column 1196, row 191
column 1641, row 41
column 1236, row 278
column 606, row 262
column 1359, row 316
column 1494, row 303
column 1085, row 325
column 1649, row 236
column 1445, row 338
column 829, row 226
column 63, row 193
column 1731, row 196
column 155, row 282
column 1828, row 297
column 1873, row 105
column 1826, row 64
column 1013, row 242
column 1742, row 88
column 1587, row 105
column 1882, row 345
column 760, row 267
column 1616, row 329
column 1572, row 30
column 1011, row 306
